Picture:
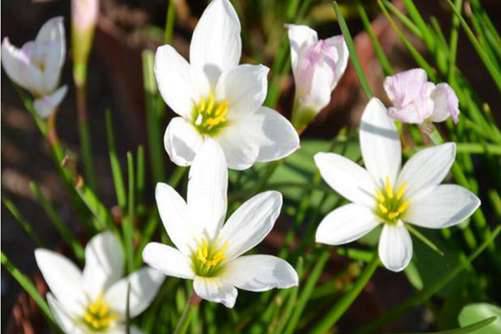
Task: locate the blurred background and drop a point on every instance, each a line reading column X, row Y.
column 115, row 82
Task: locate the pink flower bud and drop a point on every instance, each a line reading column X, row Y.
column 84, row 14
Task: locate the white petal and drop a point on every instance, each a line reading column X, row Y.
column 380, row 143
column 346, row 177
column 277, row 137
column 244, row 87
column 300, row 36
column 121, row 329
column 216, row 46
column 342, row 56
column 174, row 81
column 405, row 87
column 168, row 260
column 181, row 141
column 441, row 207
column 345, row 224
column 216, row 290
column 63, row 319
column 46, row 105
column 19, row 68
column 251, row 223
column 103, row 263
column 427, row 168
column 240, row 144
column 175, row 217
column 51, row 39
column 395, row 247
column 207, row 188
column 261, row 273
column 63, row 278
column 142, row 287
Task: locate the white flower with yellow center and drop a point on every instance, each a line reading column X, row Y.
column 37, row 66
column 217, row 98
column 95, row 300
column 384, row 193
column 208, row 251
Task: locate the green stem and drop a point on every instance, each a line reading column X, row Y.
column 189, row 309
column 85, row 141
column 344, row 303
column 170, row 19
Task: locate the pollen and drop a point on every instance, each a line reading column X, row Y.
column 208, row 258
column 98, row 316
column 391, row 204
column 210, row 115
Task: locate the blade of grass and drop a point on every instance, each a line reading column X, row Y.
column 140, row 173
column 425, row 240
column 170, row 20
column 128, row 224
column 467, row 329
column 116, row 170
column 27, row 286
column 453, row 41
column 63, row 230
column 23, row 223
column 154, row 109
column 344, row 303
column 353, row 52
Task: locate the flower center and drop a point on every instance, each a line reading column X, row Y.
column 208, row 258
column 98, row 316
column 390, row 203
column 210, row 116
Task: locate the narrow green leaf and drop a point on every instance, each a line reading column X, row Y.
column 477, row 328
column 472, row 313
column 23, row 223
column 116, row 169
column 353, row 52
column 424, row 240
column 128, row 223
column 63, row 230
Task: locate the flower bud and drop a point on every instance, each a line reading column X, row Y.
column 416, row 100
column 84, row 15
column 317, row 65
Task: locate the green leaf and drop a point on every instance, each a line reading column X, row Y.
column 116, row 170
column 474, row 328
column 474, row 312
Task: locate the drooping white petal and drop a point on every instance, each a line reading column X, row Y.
column 346, row 224
column 446, row 103
column 168, row 260
column 240, row 144
column 341, row 57
column 380, row 143
column 46, row 105
column 142, row 287
column 261, row 273
column 63, row 319
column 19, row 68
column 51, row 39
column 207, row 188
column 427, row 168
column 443, row 206
column 63, row 278
column 103, row 263
column 346, row 177
column 216, row 290
column 174, row 80
column 176, row 218
column 300, row 36
column 244, row 87
column 216, row 46
column 181, row 141
column 395, row 247
column 275, row 135
column 251, row 223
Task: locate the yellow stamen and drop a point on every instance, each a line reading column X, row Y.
column 98, row 315
column 208, row 258
column 388, row 188
column 210, row 115
column 391, row 204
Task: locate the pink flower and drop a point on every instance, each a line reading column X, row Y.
column 84, row 14
column 317, row 65
column 415, row 99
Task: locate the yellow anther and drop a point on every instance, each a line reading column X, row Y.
column 382, row 208
column 388, row 187
column 98, row 315
column 401, row 190
column 210, row 115
column 208, row 258
column 403, row 207
column 379, row 196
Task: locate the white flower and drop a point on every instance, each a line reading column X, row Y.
column 416, row 100
column 95, row 300
column 217, row 98
column 37, row 65
column 384, row 193
column 317, row 66
column 208, row 251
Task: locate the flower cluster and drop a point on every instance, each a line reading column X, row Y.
column 222, row 124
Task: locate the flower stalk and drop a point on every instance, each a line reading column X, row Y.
column 189, row 309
